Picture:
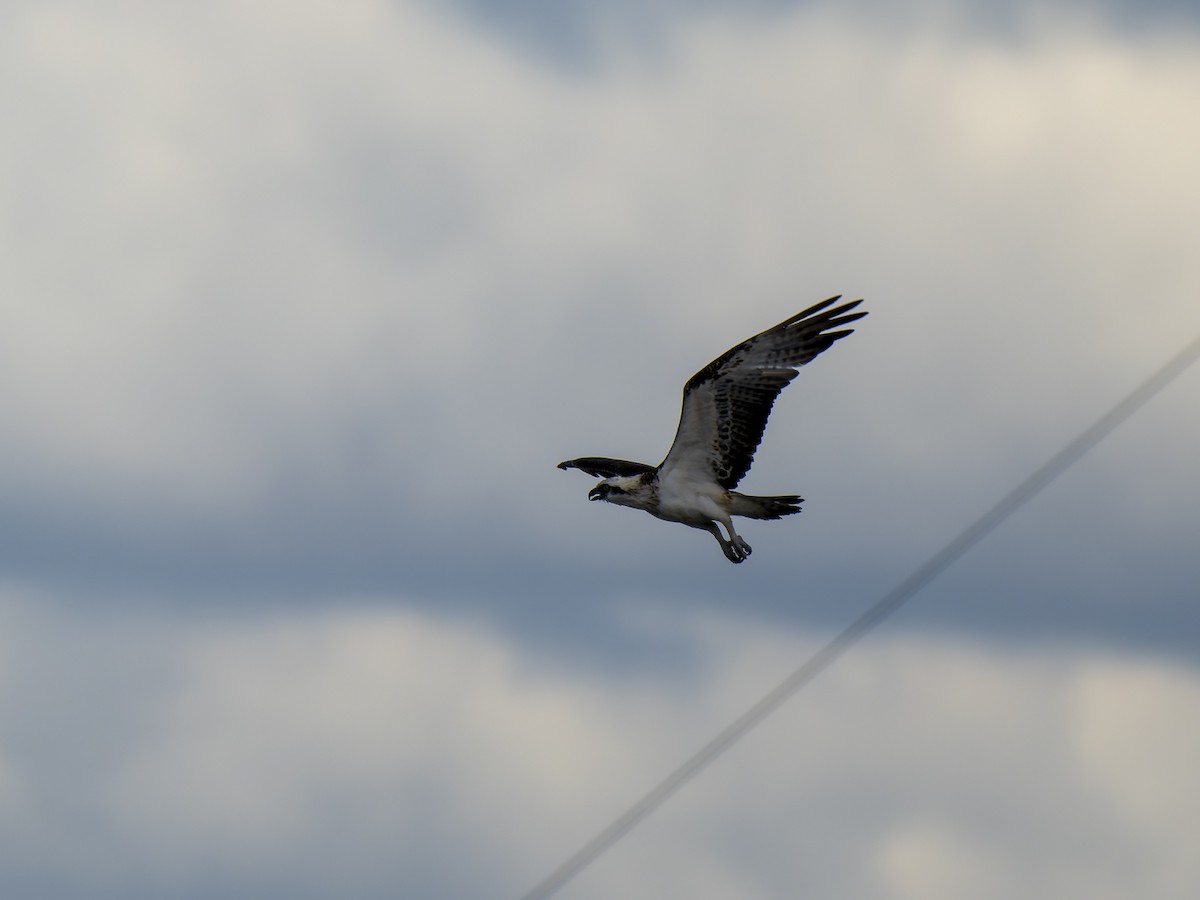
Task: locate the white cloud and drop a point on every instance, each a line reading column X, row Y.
column 1129, row 762
column 368, row 748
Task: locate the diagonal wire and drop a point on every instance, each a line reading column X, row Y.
column 844, row 640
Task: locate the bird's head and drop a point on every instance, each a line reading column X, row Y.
column 619, row 489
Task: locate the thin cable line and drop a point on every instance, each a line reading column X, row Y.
column 855, row 631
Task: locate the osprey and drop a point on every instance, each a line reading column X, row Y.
column 725, row 410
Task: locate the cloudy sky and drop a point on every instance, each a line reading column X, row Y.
column 302, row 302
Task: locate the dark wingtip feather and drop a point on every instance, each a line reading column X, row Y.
column 820, row 312
column 814, row 309
column 832, row 336
column 843, row 311
column 852, row 317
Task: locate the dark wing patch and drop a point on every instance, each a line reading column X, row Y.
column 744, row 381
column 743, row 408
column 603, row 467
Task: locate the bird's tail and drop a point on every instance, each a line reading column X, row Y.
column 763, row 507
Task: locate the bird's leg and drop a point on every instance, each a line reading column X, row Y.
column 736, row 539
column 732, row 549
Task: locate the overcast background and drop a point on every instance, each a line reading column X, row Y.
column 300, row 304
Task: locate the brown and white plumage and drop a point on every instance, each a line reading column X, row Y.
column 725, row 410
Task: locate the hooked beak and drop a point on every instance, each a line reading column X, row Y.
column 598, row 492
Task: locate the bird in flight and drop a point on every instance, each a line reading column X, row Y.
column 725, row 409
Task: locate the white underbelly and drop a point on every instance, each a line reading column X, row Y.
column 692, row 504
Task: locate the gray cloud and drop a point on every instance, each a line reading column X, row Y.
column 574, row 33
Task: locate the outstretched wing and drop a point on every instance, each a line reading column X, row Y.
column 603, row 467
column 726, row 404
